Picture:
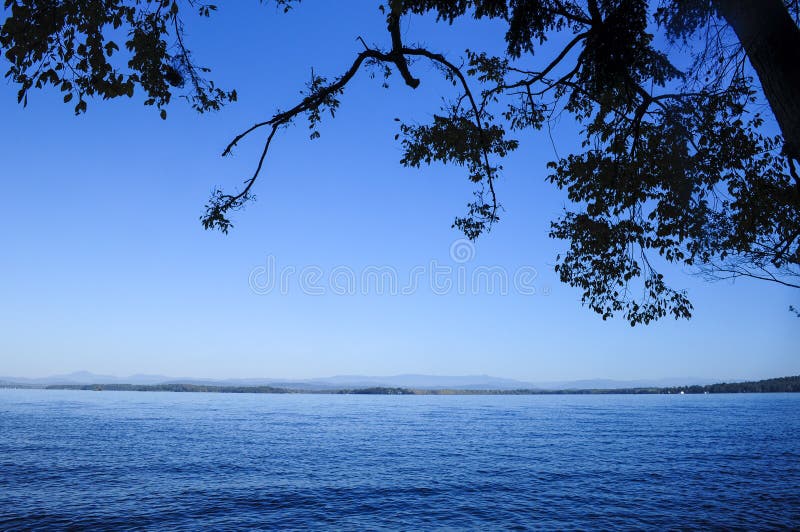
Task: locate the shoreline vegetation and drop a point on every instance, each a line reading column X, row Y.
column 776, row 385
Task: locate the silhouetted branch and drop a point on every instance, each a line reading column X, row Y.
column 220, row 204
column 456, row 72
column 721, row 272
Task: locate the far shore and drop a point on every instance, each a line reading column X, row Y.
column 777, row 385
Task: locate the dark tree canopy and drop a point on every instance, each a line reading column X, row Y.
column 676, row 162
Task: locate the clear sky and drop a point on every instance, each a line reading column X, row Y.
column 105, row 267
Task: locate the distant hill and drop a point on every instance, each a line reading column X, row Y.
column 418, row 381
column 610, row 384
column 782, row 384
column 415, row 381
column 85, row 377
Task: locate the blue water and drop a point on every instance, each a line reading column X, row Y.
column 216, row 461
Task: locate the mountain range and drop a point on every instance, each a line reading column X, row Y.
column 418, row 381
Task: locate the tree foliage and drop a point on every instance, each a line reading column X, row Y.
column 73, row 46
column 676, row 164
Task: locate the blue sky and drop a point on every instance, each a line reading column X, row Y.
column 105, row 266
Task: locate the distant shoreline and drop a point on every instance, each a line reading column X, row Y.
column 777, row 385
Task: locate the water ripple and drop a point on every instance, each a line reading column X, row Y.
column 144, row 461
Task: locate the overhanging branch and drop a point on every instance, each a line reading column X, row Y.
column 220, row 204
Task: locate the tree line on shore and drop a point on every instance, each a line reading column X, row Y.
column 780, row 384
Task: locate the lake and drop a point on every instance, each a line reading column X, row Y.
column 187, row 461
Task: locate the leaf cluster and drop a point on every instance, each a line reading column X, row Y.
column 75, row 46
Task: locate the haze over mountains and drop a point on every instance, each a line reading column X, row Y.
column 466, row 382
